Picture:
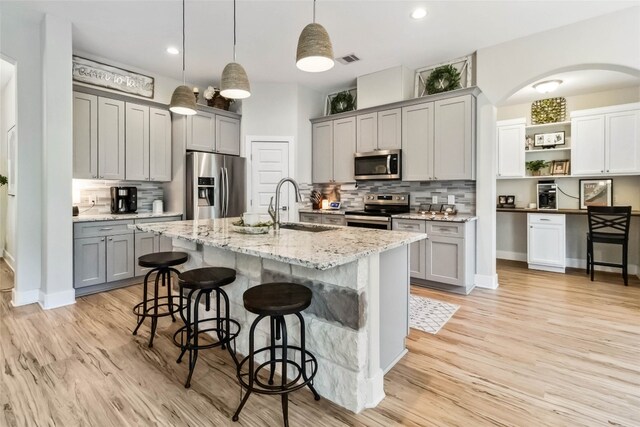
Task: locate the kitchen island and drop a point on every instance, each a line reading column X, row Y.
column 358, row 320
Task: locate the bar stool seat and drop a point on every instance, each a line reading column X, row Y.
column 297, row 365
column 198, row 283
column 157, row 306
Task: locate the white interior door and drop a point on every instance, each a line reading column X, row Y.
column 269, row 164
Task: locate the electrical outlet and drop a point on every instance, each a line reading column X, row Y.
column 451, row 200
column 434, row 199
column 93, row 199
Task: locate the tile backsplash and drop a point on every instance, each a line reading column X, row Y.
column 352, row 196
column 147, row 193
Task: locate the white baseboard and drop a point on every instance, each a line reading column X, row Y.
column 571, row 262
column 24, row 297
column 10, row 260
column 486, row 281
column 546, row 268
column 58, row 299
column 511, row 256
column 374, row 390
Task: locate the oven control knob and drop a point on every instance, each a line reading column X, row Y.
column 402, row 198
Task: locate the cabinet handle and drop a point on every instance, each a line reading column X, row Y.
column 94, row 176
column 106, row 229
column 110, row 238
column 545, row 219
column 607, row 170
column 102, row 240
column 601, row 171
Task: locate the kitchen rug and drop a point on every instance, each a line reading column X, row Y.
column 429, row 315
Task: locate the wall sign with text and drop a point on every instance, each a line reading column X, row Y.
column 98, row 74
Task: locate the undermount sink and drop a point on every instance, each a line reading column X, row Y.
column 305, row 227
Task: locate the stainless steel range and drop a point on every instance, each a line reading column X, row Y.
column 378, row 209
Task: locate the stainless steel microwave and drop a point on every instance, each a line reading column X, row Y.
column 381, row 164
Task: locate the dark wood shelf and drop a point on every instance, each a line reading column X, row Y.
column 559, row 211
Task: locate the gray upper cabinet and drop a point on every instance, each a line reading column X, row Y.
column 85, row 136
column 227, row 135
column 344, row 147
column 454, row 148
column 201, row 132
column 111, row 146
column 322, row 156
column 137, row 142
column 120, row 257
column 159, row 145
column 417, row 142
column 367, row 132
column 89, row 264
column 390, row 129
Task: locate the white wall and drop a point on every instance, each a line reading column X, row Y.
column 7, row 203
column 310, row 105
column 20, row 40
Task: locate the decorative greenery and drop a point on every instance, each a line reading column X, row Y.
column 3, row 180
column 536, row 165
column 240, row 223
column 343, row 101
column 443, row 79
column 550, row 110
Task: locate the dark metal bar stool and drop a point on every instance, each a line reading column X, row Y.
column 610, row 225
column 203, row 282
column 160, row 263
column 276, row 300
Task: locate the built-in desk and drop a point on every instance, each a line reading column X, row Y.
column 512, row 229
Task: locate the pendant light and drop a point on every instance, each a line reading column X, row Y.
column 315, row 53
column 234, row 83
column 182, row 101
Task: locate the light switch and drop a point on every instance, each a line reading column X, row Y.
column 451, row 200
column 434, row 199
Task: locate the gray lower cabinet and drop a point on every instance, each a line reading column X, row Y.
column 145, row 243
column 120, row 257
column 311, row 217
column 333, row 219
column 89, row 261
column 446, row 259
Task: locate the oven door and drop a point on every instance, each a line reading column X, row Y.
column 382, row 164
column 362, row 221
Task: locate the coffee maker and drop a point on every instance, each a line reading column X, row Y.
column 547, row 196
column 124, row 200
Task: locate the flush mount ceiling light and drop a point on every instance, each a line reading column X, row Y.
column 182, row 101
column 234, row 83
column 172, row 50
column 547, row 86
column 419, row 13
column 315, row 52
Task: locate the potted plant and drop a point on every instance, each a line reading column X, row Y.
column 214, row 99
column 535, row 166
column 3, row 180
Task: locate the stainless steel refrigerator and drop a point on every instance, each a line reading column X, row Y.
column 215, row 186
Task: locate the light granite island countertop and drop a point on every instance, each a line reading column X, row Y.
column 359, row 317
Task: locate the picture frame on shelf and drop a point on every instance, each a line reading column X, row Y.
column 549, row 140
column 596, row 192
column 560, row 167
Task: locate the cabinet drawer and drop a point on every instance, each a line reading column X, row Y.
column 101, row 228
column 416, row 226
column 535, row 218
column 445, row 229
column 161, row 219
column 313, row 218
column 333, row 219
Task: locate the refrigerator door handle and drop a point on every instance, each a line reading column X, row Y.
column 222, row 192
column 226, row 191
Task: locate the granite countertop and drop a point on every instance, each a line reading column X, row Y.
column 322, row 251
column 115, row 217
column 438, row 217
column 322, row 211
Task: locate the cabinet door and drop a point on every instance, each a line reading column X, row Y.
column 454, row 124
column 310, row 217
column 165, row 244
column 511, row 140
column 227, row 135
column 546, row 245
column 322, row 156
column 137, row 142
column 367, row 132
column 333, row 219
column 390, row 129
column 201, row 132
column 587, row 145
column 417, row 256
column 417, row 142
column 89, row 260
column 144, row 243
column 111, row 146
column 622, row 142
column 445, row 260
column 85, row 136
column 344, row 147
column 120, row 257
column 159, row 145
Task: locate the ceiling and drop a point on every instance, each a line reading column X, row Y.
column 381, row 33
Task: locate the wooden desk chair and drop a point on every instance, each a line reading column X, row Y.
column 608, row 225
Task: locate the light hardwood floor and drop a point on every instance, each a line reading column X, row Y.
column 543, row 350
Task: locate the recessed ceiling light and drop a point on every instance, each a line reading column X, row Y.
column 419, row 13
column 172, row 50
column 547, row 86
